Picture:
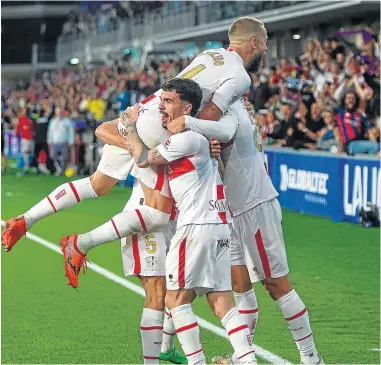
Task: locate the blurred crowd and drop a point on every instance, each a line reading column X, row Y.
column 41, row 113
column 326, row 99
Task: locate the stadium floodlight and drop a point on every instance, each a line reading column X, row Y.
column 74, row 61
column 296, row 36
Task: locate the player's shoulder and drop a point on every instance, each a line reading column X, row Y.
column 190, row 136
column 184, row 137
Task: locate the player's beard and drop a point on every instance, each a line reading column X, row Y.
column 255, row 64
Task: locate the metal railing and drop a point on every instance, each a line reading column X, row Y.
column 148, row 24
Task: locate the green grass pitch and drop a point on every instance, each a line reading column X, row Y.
column 334, row 267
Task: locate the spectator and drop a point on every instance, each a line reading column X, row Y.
column 6, row 124
column 259, row 91
column 80, row 153
column 96, row 105
column 328, row 136
column 354, row 128
column 283, row 129
column 40, row 116
column 305, row 133
column 123, row 96
column 61, row 138
column 24, row 130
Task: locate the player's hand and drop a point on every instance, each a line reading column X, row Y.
column 130, row 115
column 176, row 125
column 249, row 108
column 135, row 113
column 215, row 147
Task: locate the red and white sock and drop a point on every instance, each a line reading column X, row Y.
column 151, row 332
column 247, row 306
column 239, row 336
column 188, row 333
column 169, row 332
column 295, row 313
column 63, row 197
column 122, row 225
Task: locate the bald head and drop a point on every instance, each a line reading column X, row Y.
column 246, row 28
column 248, row 37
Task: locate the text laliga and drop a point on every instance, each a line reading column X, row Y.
column 358, row 197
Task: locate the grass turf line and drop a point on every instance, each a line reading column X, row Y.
column 334, row 267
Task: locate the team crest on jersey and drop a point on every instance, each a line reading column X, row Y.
column 151, row 261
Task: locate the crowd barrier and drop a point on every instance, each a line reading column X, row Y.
column 12, row 142
column 328, row 185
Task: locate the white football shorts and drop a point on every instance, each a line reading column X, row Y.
column 257, row 242
column 143, row 253
column 199, row 259
column 115, row 162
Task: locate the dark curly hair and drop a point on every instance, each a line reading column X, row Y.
column 188, row 90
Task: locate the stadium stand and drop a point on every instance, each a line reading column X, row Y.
column 299, row 100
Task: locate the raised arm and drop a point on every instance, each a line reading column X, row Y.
column 108, row 132
column 223, row 130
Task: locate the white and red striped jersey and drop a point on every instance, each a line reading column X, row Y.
column 246, row 180
column 194, row 180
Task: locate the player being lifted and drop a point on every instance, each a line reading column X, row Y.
column 226, row 81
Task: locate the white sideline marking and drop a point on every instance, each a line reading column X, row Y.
column 375, row 349
column 259, row 351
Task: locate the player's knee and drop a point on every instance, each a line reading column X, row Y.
column 101, row 184
column 271, row 289
column 241, row 282
column 220, row 303
column 219, row 310
column 172, row 299
column 277, row 287
column 99, row 132
column 155, row 292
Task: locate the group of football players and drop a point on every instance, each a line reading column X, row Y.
column 203, row 218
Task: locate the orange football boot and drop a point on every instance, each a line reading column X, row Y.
column 74, row 259
column 14, row 229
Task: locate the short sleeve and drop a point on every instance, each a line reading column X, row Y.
column 230, row 91
column 180, row 145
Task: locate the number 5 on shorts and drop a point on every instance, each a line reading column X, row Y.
column 150, row 244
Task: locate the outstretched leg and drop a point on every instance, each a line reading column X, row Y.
column 63, row 197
